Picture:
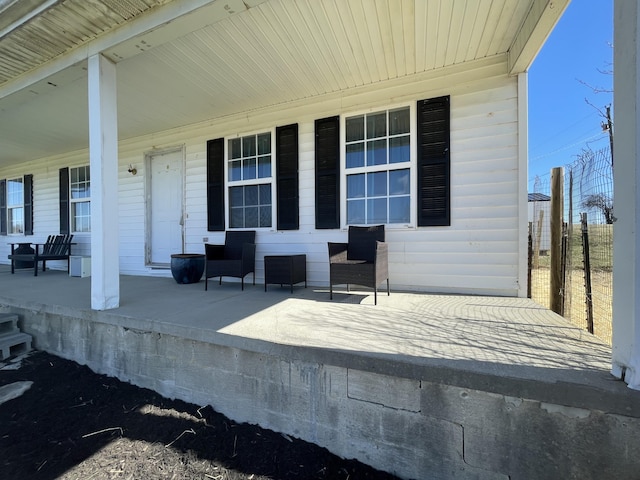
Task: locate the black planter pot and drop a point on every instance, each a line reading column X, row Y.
column 187, row 267
column 22, row 249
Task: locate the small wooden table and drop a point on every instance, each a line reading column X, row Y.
column 285, row 270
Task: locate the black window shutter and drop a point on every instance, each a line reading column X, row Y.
column 287, row 177
column 64, row 201
column 434, row 169
column 27, row 183
column 215, row 185
column 327, row 172
column 3, row 207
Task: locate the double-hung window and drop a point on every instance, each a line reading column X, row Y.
column 80, row 199
column 15, row 206
column 378, row 167
column 250, row 181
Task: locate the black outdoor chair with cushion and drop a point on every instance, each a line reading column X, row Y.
column 236, row 258
column 361, row 261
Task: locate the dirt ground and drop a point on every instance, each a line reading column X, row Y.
column 75, row 424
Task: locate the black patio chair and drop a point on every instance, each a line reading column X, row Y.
column 361, row 261
column 236, row 258
column 57, row 247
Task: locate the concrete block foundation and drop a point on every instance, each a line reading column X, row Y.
column 407, row 421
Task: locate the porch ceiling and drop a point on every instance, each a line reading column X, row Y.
column 185, row 61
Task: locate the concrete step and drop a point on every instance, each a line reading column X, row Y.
column 14, row 344
column 8, row 323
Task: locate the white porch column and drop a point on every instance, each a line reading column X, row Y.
column 626, row 247
column 103, row 156
column 523, row 174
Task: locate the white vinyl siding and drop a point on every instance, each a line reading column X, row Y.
column 478, row 253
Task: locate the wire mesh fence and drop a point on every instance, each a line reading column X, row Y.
column 586, row 288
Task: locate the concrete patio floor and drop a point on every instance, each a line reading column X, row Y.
column 509, row 346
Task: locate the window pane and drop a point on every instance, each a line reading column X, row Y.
column 84, row 208
column 377, row 184
column 84, row 221
column 355, row 212
column 251, row 217
column 236, row 218
column 15, row 194
column 265, row 216
column 377, row 211
column 251, row 195
column 355, row 129
column 399, row 121
column 355, row 155
column 81, row 216
column 236, row 196
column 250, row 206
column 377, row 125
column 264, row 144
column 399, row 209
column 249, row 168
column 376, row 152
column 264, row 167
column 80, row 183
column 79, row 190
column 355, row 186
column 244, row 163
column 399, row 182
column 234, row 148
column 16, row 222
column 399, row 149
column 249, row 146
column 79, row 177
column 235, row 170
column 265, row 194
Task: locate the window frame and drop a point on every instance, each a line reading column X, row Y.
column 74, row 201
column 411, row 165
column 271, row 180
column 11, row 207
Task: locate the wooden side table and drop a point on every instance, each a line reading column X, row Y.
column 285, row 270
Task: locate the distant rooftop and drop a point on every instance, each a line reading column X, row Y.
column 539, row 197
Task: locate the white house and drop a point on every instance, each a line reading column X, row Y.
column 149, row 128
column 146, row 127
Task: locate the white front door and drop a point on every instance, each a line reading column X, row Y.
column 164, row 206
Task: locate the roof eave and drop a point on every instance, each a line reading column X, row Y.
column 542, row 17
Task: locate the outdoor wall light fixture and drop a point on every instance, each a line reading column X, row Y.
column 132, row 170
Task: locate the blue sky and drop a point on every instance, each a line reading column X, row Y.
column 561, row 122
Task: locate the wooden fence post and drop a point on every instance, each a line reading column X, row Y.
column 538, row 242
column 557, row 212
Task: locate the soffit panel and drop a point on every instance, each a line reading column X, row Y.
column 62, row 27
column 271, row 53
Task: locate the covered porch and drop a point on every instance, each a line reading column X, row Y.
column 421, row 384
